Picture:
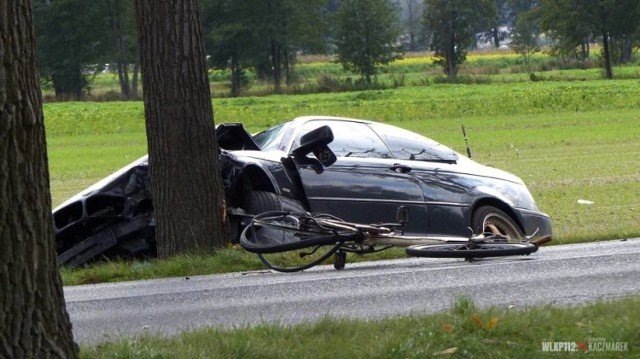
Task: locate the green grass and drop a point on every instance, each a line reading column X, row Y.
column 464, row 331
column 228, row 260
column 232, row 259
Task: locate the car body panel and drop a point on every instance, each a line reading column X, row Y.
column 365, row 192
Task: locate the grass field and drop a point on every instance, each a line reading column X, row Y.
column 315, row 74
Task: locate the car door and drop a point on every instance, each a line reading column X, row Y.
column 365, row 184
column 433, row 166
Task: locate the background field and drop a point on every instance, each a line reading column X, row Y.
column 568, row 140
column 317, row 74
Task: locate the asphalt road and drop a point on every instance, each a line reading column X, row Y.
column 560, row 275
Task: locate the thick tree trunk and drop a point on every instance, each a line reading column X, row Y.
column 33, row 320
column 183, row 156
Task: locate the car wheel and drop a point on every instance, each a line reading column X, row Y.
column 290, row 260
column 489, row 219
column 261, row 201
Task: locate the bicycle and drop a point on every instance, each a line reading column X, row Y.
column 291, row 242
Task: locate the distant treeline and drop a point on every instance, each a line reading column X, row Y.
column 263, row 40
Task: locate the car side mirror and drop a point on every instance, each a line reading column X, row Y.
column 316, row 141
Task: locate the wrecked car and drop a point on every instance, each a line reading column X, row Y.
column 358, row 170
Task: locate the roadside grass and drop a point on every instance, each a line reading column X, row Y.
column 464, row 331
column 228, row 260
column 231, row 259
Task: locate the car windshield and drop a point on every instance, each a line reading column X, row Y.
column 407, row 145
column 351, row 139
column 269, row 139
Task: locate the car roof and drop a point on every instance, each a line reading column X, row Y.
column 303, row 119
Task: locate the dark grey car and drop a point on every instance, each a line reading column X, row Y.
column 371, row 171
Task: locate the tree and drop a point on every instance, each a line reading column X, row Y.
column 451, row 26
column 231, row 39
column 123, row 52
column 70, row 42
column 33, row 320
column 367, row 35
column 524, row 38
column 495, row 29
column 265, row 35
column 412, row 23
column 614, row 22
column 186, row 184
column 569, row 23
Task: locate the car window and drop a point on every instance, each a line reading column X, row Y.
column 269, row 139
column 351, row 139
column 407, row 145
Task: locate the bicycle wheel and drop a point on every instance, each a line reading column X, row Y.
column 289, row 242
column 275, row 232
column 478, row 250
column 300, row 259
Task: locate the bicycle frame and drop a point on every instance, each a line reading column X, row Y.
column 281, row 232
column 407, row 241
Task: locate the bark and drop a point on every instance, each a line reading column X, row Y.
column 33, row 320
column 185, row 177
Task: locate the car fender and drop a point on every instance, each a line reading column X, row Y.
column 243, row 173
column 499, row 201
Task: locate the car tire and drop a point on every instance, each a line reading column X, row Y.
column 489, row 219
column 262, row 201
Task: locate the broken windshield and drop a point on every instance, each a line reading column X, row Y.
column 407, row 145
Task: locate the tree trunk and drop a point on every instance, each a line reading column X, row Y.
column 277, row 64
column 123, row 79
column 452, row 61
column 236, row 76
column 583, row 51
column 134, row 82
column 450, row 51
column 122, row 67
column 33, row 320
column 495, row 33
column 626, row 51
column 606, row 53
column 186, row 183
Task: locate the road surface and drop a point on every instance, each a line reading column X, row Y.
column 559, row 275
